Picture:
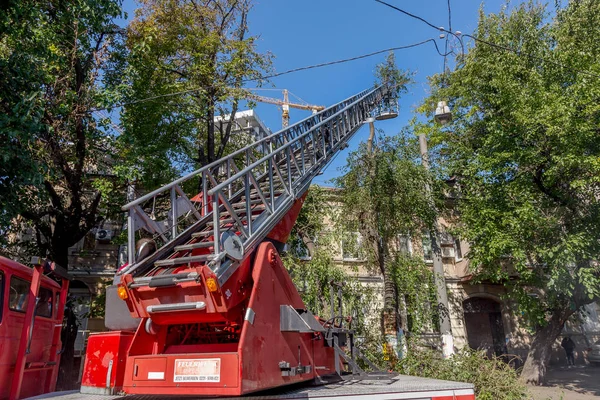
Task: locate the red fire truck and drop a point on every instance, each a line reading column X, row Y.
column 31, row 314
column 212, row 311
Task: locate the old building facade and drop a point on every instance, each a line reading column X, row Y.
column 482, row 316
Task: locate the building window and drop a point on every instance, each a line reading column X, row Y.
column 427, row 247
column 301, row 251
column 352, row 247
column 458, row 250
column 405, row 245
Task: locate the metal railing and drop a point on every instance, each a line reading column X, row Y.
column 247, row 192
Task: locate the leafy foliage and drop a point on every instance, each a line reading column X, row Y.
column 318, row 209
column 97, row 306
column 313, row 278
column 524, row 147
column 414, row 282
column 383, row 197
column 185, row 62
column 51, row 59
column 493, row 378
column 314, row 271
column 395, row 80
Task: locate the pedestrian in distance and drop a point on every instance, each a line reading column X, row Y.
column 569, row 345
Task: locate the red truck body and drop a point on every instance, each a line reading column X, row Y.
column 29, row 330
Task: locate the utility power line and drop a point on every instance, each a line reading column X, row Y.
column 275, row 75
column 488, row 43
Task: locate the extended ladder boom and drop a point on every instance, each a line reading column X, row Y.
column 242, row 196
column 217, row 312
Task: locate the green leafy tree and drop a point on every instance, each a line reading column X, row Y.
column 51, row 58
column 202, row 52
column 394, row 80
column 52, row 54
column 310, row 259
column 383, row 197
column 524, row 148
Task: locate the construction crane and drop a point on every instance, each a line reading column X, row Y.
column 211, row 310
column 285, row 104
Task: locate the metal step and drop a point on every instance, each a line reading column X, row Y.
column 225, row 221
column 242, row 211
column 254, row 195
column 192, row 246
column 243, row 203
column 204, row 234
column 183, row 260
column 199, row 305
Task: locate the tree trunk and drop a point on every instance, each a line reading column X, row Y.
column 371, row 137
column 534, row 370
column 67, row 380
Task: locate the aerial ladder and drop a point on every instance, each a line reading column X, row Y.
column 214, row 311
column 285, row 105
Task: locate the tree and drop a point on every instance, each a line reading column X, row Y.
column 50, row 63
column 310, row 259
column 383, row 197
column 389, row 75
column 51, row 58
column 523, row 146
column 187, row 62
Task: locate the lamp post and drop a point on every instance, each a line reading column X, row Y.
column 443, row 116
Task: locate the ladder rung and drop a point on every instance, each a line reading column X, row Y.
column 39, row 366
column 192, row 246
column 260, row 207
column 183, row 260
column 203, row 234
column 226, row 221
column 35, row 369
column 243, row 203
column 254, row 195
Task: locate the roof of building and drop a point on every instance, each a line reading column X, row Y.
column 245, row 119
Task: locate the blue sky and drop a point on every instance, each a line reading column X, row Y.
column 301, row 33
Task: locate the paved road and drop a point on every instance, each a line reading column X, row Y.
column 575, row 383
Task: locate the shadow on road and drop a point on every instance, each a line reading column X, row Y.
column 579, row 378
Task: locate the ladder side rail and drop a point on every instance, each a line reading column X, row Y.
column 183, row 236
column 257, row 163
column 356, row 111
column 218, row 163
column 264, row 223
column 304, row 137
column 140, row 266
column 205, row 175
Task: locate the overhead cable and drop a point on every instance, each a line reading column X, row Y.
column 275, row 75
column 488, row 43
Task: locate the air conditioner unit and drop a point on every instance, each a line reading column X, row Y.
column 104, row 235
column 446, row 239
column 448, row 252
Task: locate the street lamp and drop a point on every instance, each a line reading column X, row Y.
column 442, row 113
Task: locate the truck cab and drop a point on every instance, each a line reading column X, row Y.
column 43, row 336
